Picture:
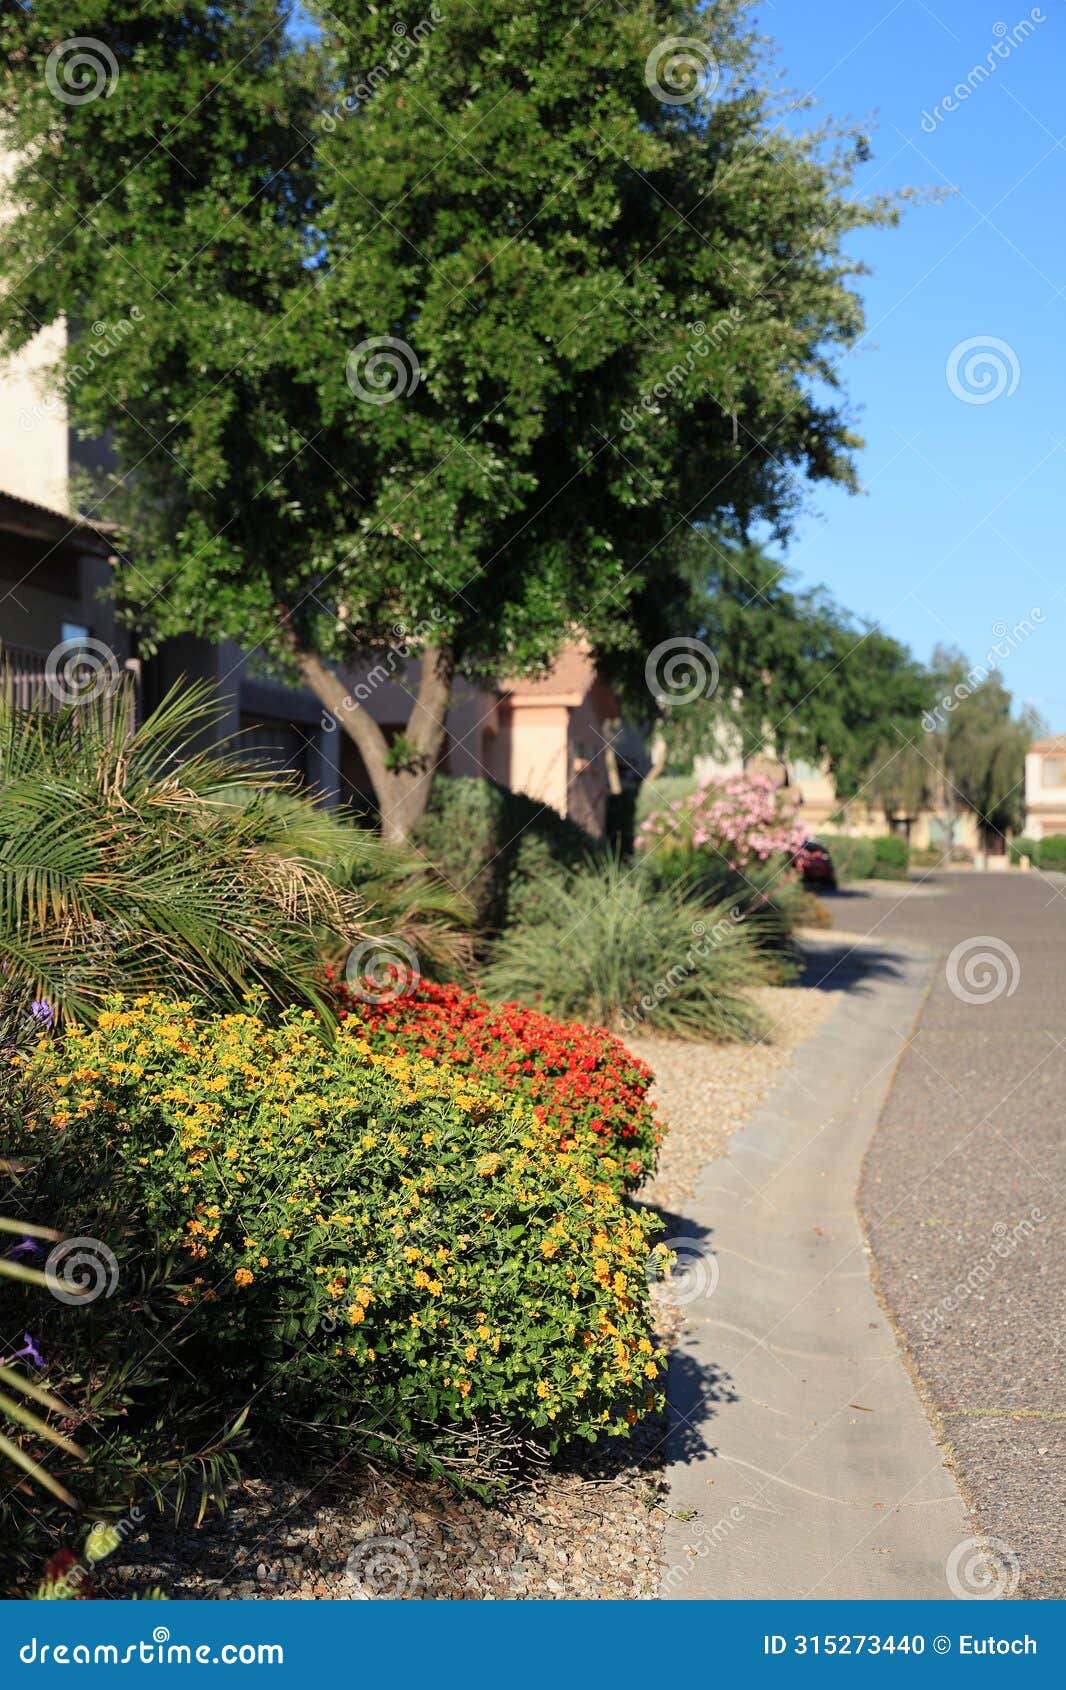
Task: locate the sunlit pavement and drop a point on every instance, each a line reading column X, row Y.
column 963, row 1193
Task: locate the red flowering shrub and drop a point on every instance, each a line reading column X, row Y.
column 581, row 1078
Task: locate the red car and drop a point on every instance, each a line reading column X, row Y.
column 816, row 865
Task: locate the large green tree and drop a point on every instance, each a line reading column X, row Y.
column 444, row 320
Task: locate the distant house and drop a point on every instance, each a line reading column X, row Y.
column 1045, row 787
column 541, row 737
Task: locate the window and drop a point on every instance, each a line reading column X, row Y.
column 1053, row 771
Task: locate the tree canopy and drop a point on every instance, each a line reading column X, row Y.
column 445, row 320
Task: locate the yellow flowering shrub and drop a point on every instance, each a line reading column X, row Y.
column 365, row 1240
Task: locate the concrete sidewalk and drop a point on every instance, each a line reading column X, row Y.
column 800, row 1460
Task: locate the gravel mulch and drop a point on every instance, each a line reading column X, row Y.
column 705, row 1092
column 587, row 1525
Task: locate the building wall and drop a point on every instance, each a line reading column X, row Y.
column 1045, row 787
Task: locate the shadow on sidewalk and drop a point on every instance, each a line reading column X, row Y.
column 841, row 965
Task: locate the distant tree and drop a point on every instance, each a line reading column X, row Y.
column 600, row 278
column 793, row 675
column 985, row 760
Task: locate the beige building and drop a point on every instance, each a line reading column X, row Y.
column 1045, row 787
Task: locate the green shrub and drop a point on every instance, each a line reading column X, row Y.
column 926, row 856
column 764, row 893
column 620, row 950
column 358, row 1242
column 128, row 862
column 1024, row 847
column 499, row 847
column 891, row 855
column 660, row 793
column 853, row 859
column 1051, row 852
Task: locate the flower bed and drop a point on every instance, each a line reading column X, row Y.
column 363, row 1240
column 583, row 1083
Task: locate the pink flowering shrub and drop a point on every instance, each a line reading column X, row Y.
column 745, row 820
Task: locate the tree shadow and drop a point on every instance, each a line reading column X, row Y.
column 841, row 965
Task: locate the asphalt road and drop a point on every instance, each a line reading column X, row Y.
column 962, row 1195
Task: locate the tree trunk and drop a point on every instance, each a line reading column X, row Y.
column 402, row 793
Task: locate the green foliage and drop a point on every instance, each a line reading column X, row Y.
column 798, row 676
column 388, row 1253
column 1024, row 847
column 664, row 790
column 853, row 859
column 401, row 892
column 981, row 744
column 763, row 893
column 614, row 319
column 891, row 856
column 1051, row 852
column 130, row 858
column 616, row 948
column 499, row 848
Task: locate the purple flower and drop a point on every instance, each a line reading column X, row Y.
column 25, row 1247
column 28, row 1352
column 42, row 1012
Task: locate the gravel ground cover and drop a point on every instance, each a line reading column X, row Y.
column 587, row 1525
column 705, row 1092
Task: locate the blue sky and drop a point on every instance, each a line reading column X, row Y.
column 959, row 530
